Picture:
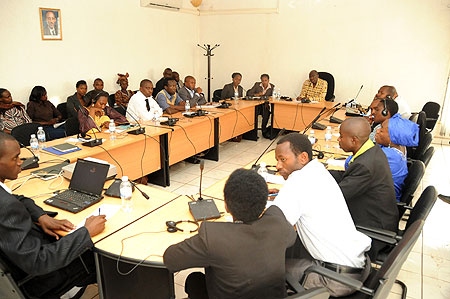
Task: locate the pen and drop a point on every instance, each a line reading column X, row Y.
column 98, row 211
column 273, row 194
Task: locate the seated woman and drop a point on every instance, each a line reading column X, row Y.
column 12, row 114
column 230, row 89
column 45, row 113
column 263, row 88
column 123, row 95
column 394, row 135
column 77, row 100
column 98, row 115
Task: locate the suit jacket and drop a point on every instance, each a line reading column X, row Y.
column 158, row 87
column 257, row 89
column 240, row 260
column 228, row 91
column 47, row 30
column 368, row 188
column 193, row 101
column 27, row 246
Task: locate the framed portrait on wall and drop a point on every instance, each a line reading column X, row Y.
column 50, row 23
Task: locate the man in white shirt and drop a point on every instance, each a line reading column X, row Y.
column 313, row 202
column 403, row 107
column 142, row 107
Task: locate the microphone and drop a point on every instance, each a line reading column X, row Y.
column 319, row 154
column 335, row 120
column 94, row 142
column 139, row 131
column 142, row 192
column 202, row 166
column 255, row 165
column 29, row 163
column 354, row 100
column 314, row 120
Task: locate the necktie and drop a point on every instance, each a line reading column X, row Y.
column 147, row 104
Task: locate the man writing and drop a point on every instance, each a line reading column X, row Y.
column 29, row 242
column 190, row 93
column 314, row 89
column 168, row 98
column 312, row 201
column 244, row 258
column 367, row 182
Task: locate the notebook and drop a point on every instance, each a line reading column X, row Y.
column 85, row 188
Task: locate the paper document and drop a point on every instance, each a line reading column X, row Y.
column 275, row 179
column 105, row 209
column 336, row 163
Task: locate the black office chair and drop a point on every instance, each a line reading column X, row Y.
column 416, row 170
column 62, row 108
column 426, row 157
column 217, row 95
column 431, row 110
column 72, row 126
column 413, row 117
column 415, row 152
column 330, row 90
column 23, row 132
column 380, row 281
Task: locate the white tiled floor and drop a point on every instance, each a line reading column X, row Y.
column 427, row 270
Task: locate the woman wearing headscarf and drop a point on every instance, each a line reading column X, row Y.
column 393, row 137
column 98, row 115
column 42, row 111
column 123, row 95
column 12, row 114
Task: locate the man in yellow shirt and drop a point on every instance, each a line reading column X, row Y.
column 314, row 89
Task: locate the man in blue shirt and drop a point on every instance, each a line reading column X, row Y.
column 168, row 98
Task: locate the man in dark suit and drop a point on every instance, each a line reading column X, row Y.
column 367, row 182
column 233, row 88
column 29, row 244
column 244, row 258
column 263, row 88
column 51, row 27
column 190, row 93
column 160, row 84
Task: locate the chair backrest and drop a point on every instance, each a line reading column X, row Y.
column 431, row 109
column 415, row 174
column 72, row 126
column 313, row 293
column 62, row 108
column 385, row 277
column 9, row 288
column 111, row 100
column 426, row 157
column 424, row 144
column 422, row 122
column 423, row 206
column 414, row 117
column 22, row 133
column 330, row 80
column 217, row 95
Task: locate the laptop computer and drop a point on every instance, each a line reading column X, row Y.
column 85, row 188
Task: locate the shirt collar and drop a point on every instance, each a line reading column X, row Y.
column 366, row 146
column 5, row 187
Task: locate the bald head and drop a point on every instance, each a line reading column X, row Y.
column 386, row 91
column 354, row 132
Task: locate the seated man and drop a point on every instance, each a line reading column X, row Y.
column 180, row 84
column 390, row 91
column 160, row 84
column 168, row 98
column 394, row 135
column 244, row 258
column 314, row 89
column 98, row 87
column 189, row 93
column 142, row 106
column 312, row 201
column 380, row 110
column 229, row 90
column 29, row 243
column 263, row 88
column 367, row 182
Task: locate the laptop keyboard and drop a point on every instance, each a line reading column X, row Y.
column 78, row 198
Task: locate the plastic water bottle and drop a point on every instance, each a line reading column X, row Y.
column 187, row 106
column 312, row 137
column 34, row 144
column 328, row 137
column 126, row 193
column 41, row 137
column 279, row 94
column 112, row 130
column 262, row 171
column 236, row 95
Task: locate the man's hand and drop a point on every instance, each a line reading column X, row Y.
column 198, row 90
column 273, row 191
column 50, row 225
column 95, row 224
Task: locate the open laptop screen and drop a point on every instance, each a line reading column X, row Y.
column 89, row 177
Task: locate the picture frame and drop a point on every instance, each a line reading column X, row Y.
column 50, row 19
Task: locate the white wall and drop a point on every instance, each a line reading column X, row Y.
column 100, row 39
column 405, row 43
